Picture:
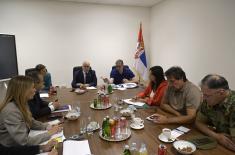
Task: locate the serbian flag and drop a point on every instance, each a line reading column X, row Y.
column 140, row 57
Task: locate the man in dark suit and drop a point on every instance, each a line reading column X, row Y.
column 84, row 77
column 39, row 107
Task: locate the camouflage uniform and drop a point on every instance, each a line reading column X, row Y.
column 220, row 116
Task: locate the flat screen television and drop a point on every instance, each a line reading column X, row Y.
column 8, row 57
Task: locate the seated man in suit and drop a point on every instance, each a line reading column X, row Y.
column 85, row 77
column 37, row 106
column 120, row 74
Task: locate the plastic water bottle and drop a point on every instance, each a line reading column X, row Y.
column 133, row 149
column 143, row 150
column 126, row 150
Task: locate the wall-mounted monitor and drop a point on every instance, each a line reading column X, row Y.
column 8, row 57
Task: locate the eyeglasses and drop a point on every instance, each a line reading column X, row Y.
column 208, row 95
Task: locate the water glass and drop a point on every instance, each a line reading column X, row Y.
column 83, row 128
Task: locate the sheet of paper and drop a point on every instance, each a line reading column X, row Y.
column 76, row 147
column 54, row 122
column 121, row 88
column 68, row 108
column 33, row 133
column 129, row 85
column 44, row 95
column 175, row 133
column 91, row 88
column 59, row 140
column 183, row 129
column 128, row 101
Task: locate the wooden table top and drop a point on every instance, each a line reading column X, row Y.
column 148, row 135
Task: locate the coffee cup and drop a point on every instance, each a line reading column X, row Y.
column 167, row 132
column 138, row 121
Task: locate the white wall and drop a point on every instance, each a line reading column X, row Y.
column 63, row 34
column 198, row 35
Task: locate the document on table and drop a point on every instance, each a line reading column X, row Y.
column 59, row 136
column 76, row 147
column 63, row 108
column 121, row 88
column 176, row 133
column 128, row 101
column 179, row 131
column 55, row 122
column 44, row 95
column 183, row 129
column 91, row 88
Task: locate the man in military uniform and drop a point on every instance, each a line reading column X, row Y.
column 216, row 115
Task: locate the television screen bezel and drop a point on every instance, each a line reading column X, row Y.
column 17, row 69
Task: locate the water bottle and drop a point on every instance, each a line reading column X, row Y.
column 127, row 150
column 143, row 150
column 133, row 149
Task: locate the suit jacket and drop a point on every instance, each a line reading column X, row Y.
column 15, row 132
column 79, row 78
column 38, row 107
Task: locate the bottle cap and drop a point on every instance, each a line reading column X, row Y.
column 126, row 146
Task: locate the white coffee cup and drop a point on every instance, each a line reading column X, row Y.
column 138, row 121
column 166, row 132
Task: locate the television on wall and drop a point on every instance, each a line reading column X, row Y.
column 8, row 57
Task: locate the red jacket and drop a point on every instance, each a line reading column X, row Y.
column 158, row 94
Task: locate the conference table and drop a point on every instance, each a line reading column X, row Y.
column 148, row 135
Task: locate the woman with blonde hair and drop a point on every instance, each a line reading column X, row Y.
column 15, row 118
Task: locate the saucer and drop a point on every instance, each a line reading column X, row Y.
column 136, row 126
column 163, row 138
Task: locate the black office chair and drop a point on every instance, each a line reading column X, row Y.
column 29, row 70
column 76, row 69
column 125, row 66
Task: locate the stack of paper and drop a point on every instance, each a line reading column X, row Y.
column 71, row 147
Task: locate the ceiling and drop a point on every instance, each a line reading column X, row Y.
column 143, row 3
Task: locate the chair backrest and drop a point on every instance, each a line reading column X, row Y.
column 76, row 69
column 29, row 70
column 125, row 66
